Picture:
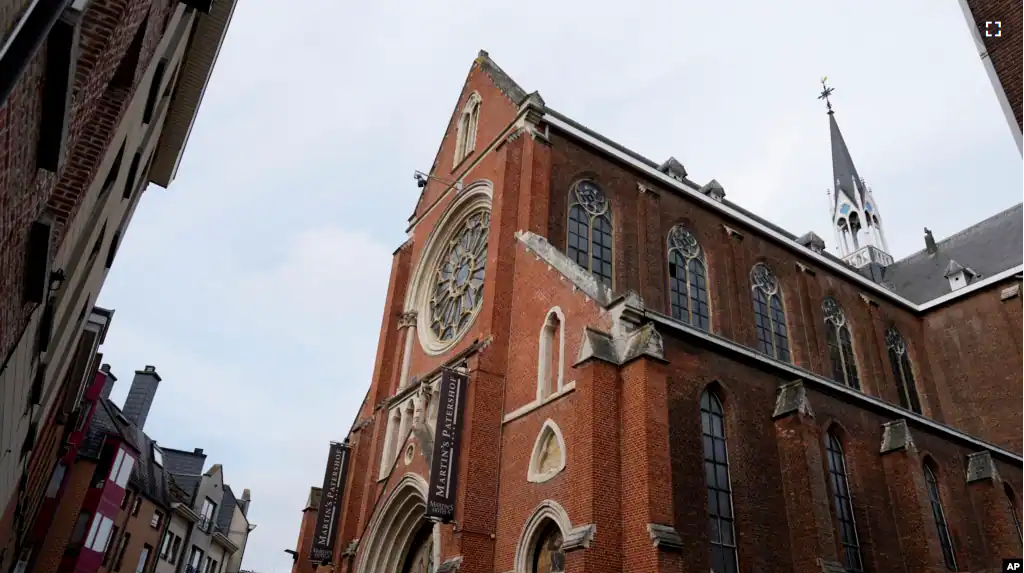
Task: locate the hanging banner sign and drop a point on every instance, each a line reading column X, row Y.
column 322, row 549
column 444, row 466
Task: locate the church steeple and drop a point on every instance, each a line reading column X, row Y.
column 856, row 219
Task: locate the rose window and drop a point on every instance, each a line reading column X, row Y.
column 459, row 279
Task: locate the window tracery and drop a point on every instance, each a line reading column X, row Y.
column 590, row 230
column 902, row 370
column 769, row 314
column 840, row 344
column 459, row 279
column 687, row 278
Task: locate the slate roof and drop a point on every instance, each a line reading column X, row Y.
column 227, row 510
column 188, row 484
column 844, row 173
column 147, row 477
column 501, row 80
column 182, row 462
column 987, row 248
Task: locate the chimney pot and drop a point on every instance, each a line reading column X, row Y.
column 198, row 451
column 150, row 368
column 105, row 369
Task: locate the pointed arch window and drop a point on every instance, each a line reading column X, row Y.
column 932, row 483
column 687, row 279
column 590, row 230
column 840, row 344
column 902, row 370
column 769, row 314
column 465, row 138
column 1013, row 509
column 843, row 501
column 721, row 526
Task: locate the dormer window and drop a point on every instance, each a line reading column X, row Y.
column 465, row 137
column 958, row 275
column 158, row 456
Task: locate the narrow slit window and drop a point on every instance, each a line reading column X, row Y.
column 945, row 541
column 721, row 525
column 843, row 502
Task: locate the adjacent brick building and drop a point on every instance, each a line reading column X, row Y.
column 660, row 380
column 97, row 98
column 300, row 557
column 121, row 505
column 995, row 27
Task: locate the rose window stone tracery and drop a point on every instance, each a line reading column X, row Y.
column 764, row 279
column 459, row 279
column 683, row 241
column 591, row 198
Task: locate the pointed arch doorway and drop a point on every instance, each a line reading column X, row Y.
column 400, row 539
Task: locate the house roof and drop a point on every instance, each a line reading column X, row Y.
column 986, row 248
column 147, row 477
column 226, row 512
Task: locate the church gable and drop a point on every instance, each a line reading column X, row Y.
column 486, row 105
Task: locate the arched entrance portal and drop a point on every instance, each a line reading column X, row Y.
column 420, row 556
column 400, row 539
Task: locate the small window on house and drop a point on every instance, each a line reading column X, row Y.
column 133, row 170
column 158, row 456
column 115, row 170
column 551, row 357
column 143, row 558
column 136, row 505
column 99, row 541
column 154, row 91
column 769, row 314
column 81, row 527
column 902, row 370
column 111, row 549
column 840, row 344
column 935, row 500
column 112, row 250
column 465, row 137
column 175, row 547
column 547, row 552
column 122, row 547
column 127, row 497
column 589, row 234
column 206, row 515
column 157, row 521
column 687, row 279
column 56, row 479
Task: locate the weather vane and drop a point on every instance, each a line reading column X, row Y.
column 825, row 92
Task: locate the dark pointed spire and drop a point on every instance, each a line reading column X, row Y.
column 844, row 173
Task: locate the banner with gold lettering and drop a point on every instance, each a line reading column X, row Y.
column 322, row 549
column 444, row 465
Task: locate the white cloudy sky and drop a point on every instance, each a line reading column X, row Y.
column 256, row 282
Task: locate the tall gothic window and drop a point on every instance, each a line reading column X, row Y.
column 1013, row 509
column 843, row 503
column 716, row 472
column 769, row 315
column 687, row 278
column 840, row 344
column 901, row 370
column 465, row 138
column 590, row 230
column 940, row 517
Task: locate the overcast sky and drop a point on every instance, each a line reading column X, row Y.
column 256, row 283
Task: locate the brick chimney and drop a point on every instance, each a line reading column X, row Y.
column 140, row 397
column 108, row 385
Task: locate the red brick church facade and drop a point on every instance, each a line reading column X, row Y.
column 661, row 381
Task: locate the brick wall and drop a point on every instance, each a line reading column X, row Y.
column 77, row 485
